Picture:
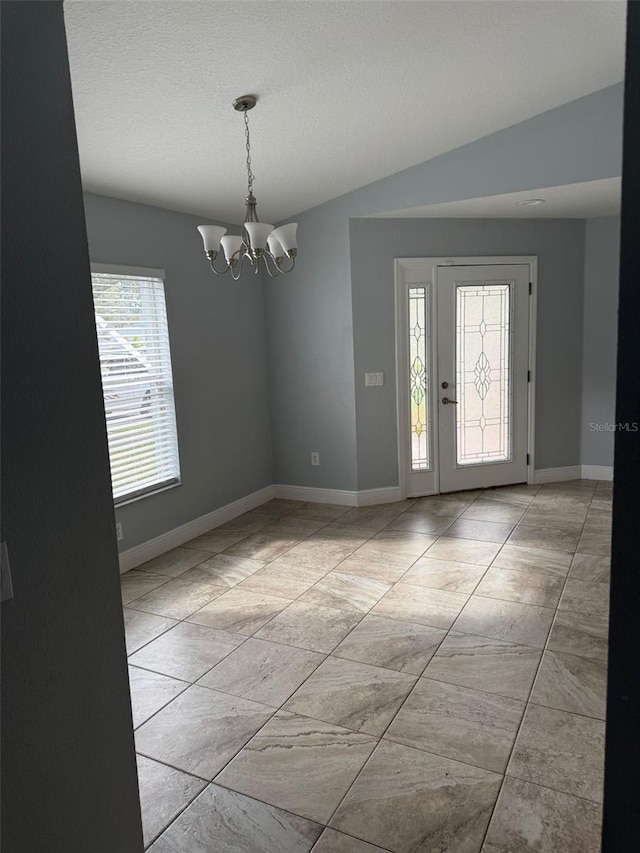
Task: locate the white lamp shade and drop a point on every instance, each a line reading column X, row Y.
column 231, row 244
column 258, row 233
column 275, row 246
column 286, row 235
column 211, row 235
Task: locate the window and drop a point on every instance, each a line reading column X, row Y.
column 137, row 385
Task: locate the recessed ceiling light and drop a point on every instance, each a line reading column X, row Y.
column 527, row 202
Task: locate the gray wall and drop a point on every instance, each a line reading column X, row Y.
column 218, row 353
column 602, row 250
column 68, row 764
column 559, row 245
column 311, row 358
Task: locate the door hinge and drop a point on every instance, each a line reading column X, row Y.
column 528, row 376
column 530, row 288
column 528, row 459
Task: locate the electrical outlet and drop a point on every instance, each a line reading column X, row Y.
column 119, row 532
column 315, row 458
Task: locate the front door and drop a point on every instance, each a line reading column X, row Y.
column 463, row 374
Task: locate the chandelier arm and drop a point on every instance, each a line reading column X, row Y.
column 218, row 272
column 268, row 257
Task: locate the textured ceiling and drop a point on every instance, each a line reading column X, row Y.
column 581, row 201
column 349, row 91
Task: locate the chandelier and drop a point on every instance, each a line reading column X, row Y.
column 259, row 244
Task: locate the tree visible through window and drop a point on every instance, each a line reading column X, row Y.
column 137, row 384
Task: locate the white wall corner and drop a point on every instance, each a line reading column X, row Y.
column 370, row 497
column 133, row 557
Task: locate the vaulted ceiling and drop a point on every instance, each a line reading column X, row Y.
column 349, row 92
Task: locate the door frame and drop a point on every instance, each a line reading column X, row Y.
column 404, row 265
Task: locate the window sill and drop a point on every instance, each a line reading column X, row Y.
column 136, row 498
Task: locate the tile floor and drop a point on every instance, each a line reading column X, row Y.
column 420, row 676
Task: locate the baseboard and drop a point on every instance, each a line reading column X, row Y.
column 597, row 472
column 573, row 472
column 322, row 496
column 133, row 557
column 557, row 475
column 367, row 497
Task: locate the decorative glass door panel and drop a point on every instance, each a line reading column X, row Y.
column 419, row 408
column 483, row 366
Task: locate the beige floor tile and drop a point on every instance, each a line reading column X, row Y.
column 374, row 517
column 489, row 510
column 456, row 722
column 302, row 765
column 164, row 793
column 391, row 643
column 264, row 546
column 201, row 730
column 590, row 567
column 463, row 551
column 528, row 586
column 520, row 496
column 186, row 651
column 397, row 542
column 346, row 592
column 282, row 579
column 320, row 512
column 571, row 520
column 410, row 801
column 354, row 695
column 175, row 562
column 179, row 598
column 571, row 683
column 561, row 751
column 580, row 634
column 215, row 541
column 482, row 531
column 515, row 557
column 388, row 568
column 538, row 820
column 308, row 626
column 262, row 671
column 297, row 528
column 140, row 628
column 249, row 522
column 337, row 842
column 225, row 569
column 423, row 522
column 135, row 584
column 586, row 597
column 283, row 506
column 595, row 542
column 539, row 536
column 447, row 505
column 151, row 691
column 227, row 822
column 240, row 611
column 327, row 548
column 434, row 607
column 523, row 624
column 444, row 574
column 493, row 666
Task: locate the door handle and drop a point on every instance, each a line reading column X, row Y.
column 446, row 400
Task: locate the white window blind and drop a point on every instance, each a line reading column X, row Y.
column 137, row 384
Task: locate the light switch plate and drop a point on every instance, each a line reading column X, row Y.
column 371, row 379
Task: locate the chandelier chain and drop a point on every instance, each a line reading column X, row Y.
column 250, row 175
